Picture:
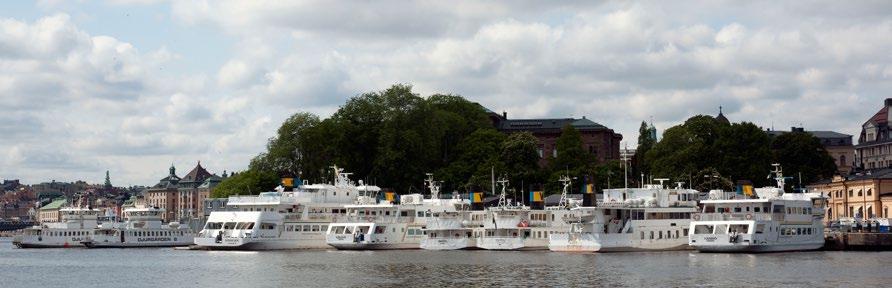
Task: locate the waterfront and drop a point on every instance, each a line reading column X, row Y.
column 176, row 268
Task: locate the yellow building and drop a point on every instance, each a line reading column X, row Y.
column 50, row 212
column 864, row 195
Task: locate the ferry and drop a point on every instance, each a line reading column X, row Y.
column 386, row 226
column 281, row 219
column 77, row 226
column 517, row 227
column 142, row 228
column 449, row 230
column 651, row 218
column 772, row 221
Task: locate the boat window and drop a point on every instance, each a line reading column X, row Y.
column 642, row 235
column 686, row 232
column 756, row 209
column 651, row 234
column 323, row 228
column 306, row 228
column 660, row 235
column 348, row 230
column 737, row 210
column 709, row 209
column 778, row 209
column 420, row 214
column 404, row 213
column 267, row 226
column 760, row 228
column 315, row 228
column 338, row 230
column 250, row 226
column 739, row 228
column 229, row 225
column 289, row 228
column 703, row 229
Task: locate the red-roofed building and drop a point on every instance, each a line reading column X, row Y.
column 875, row 142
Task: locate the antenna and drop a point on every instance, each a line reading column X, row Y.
column 664, row 179
column 566, row 181
column 503, row 201
column 625, row 158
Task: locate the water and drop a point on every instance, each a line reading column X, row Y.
column 166, row 267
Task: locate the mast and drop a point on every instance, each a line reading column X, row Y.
column 565, row 180
column 503, row 200
column 433, row 186
column 625, row 158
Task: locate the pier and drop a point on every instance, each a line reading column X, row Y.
column 861, row 241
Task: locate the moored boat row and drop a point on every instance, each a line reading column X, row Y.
column 344, row 215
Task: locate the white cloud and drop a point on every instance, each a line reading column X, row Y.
column 617, row 63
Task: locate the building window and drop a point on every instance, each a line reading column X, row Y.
column 850, row 193
column 541, row 153
column 869, row 191
column 842, row 161
column 554, row 152
column 860, row 193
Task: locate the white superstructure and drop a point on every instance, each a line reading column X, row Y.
column 517, row 227
column 384, row 226
column 774, row 221
column 77, row 226
column 631, row 219
column 282, row 219
column 142, row 227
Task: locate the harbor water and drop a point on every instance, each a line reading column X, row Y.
column 165, row 267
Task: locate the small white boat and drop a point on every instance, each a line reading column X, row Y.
column 142, row 228
column 77, row 226
column 635, row 219
column 385, row 226
column 774, row 221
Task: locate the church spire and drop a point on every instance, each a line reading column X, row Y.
column 173, row 170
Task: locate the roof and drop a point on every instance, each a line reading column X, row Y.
column 56, row 204
column 198, row 174
column 818, row 134
column 582, row 124
column 881, row 117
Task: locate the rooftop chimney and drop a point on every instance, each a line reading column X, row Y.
column 888, row 102
column 505, row 114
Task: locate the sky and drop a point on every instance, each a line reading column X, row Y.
column 133, row 86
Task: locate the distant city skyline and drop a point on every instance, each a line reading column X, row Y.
column 131, row 86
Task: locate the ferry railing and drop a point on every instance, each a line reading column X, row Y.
column 739, row 216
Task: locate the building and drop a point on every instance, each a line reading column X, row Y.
column 874, row 147
column 862, row 195
column 597, row 139
column 50, row 212
column 182, row 198
column 838, row 145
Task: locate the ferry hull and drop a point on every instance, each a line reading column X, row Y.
column 239, row 244
column 375, row 246
column 447, row 244
column 592, row 243
column 508, row 244
column 779, row 247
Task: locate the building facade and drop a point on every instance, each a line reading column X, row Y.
column 875, row 142
column 863, row 195
column 49, row 213
column 597, row 139
column 182, row 198
column 838, row 145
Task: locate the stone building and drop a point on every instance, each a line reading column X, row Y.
column 875, row 142
column 182, row 198
column 838, row 145
column 864, row 195
column 50, row 212
column 597, row 139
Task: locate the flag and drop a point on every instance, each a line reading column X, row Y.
column 288, row 182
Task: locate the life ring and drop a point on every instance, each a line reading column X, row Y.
column 749, row 216
column 523, row 223
column 696, row 217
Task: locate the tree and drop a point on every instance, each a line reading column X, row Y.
column 743, row 152
column 476, row 155
column 285, row 152
column 571, row 158
column 521, row 159
column 646, row 140
column 249, row 182
column 800, row 152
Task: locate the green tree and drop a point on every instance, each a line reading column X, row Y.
column 743, row 152
column 477, row 154
column 285, row 152
column 249, row 182
column 571, row 158
column 800, row 152
column 521, row 159
column 646, row 141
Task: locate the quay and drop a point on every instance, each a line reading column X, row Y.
column 860, row 241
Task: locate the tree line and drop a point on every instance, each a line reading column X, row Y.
column 391, row 138
column 707, row 153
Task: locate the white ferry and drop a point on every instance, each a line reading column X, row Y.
column 449, row 231
column 77, row 226
column 631, row 219
column 774, row 221
column 142, row 228
column 281, row 220
column 517, row 227
column 385, row 226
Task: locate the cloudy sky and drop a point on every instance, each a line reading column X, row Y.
column 132, row 86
